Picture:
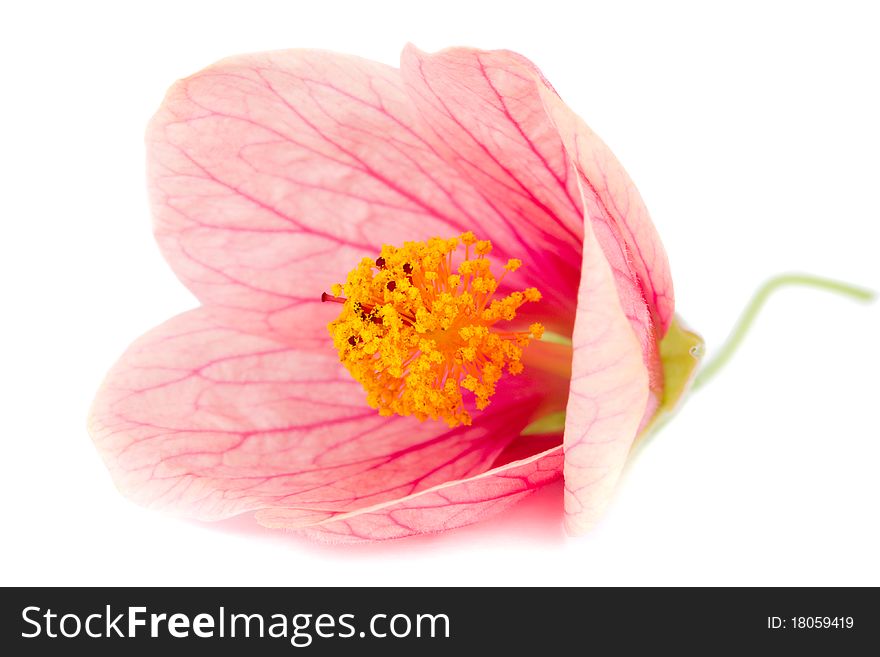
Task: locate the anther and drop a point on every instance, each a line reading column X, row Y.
column 425, row 348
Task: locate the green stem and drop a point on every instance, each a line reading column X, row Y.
column 747, row 318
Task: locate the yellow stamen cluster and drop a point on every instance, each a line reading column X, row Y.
column 417, row 328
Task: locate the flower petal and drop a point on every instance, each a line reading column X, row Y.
column 492, row 118
column 272, row 174
column 609, row 392
column 440, row 508
column 487, row 119
column 613, row 201
column 210, row 420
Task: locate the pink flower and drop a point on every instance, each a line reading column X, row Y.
column 272, row 175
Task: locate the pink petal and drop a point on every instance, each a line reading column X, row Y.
column 490, row 115
column 609, row 392
column 526, row 464
column 446, row 506
column 272, row 174
column 613, row 203
column 209, row 420
column 487, row 120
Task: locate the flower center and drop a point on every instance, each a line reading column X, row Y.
column 417, row 327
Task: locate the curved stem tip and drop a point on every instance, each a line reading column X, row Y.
column 747, row 318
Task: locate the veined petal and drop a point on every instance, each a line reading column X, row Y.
column 609, row 392
column 439, row 508
column 209, row 420
column 272, row 174
column 613, row 201
column 493, row 118
column 487, row 119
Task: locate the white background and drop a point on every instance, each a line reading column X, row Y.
column 753, row 135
